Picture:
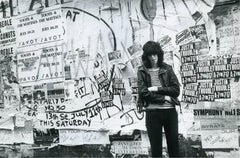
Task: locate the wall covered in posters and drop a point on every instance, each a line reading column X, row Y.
column 71, row 66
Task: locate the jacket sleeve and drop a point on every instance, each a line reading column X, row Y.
column 173, row 88
column 143, row 91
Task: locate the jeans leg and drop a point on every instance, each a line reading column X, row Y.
column 171, row 131
column 154, row 129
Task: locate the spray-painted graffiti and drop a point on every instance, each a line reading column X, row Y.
column 91, row 104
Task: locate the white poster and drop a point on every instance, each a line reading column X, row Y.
column 7, row 38
column 220, row 139
column 39, row 45
column 229, row 38
column 36, row 30
column 6, row 122
column 79, row 137
column 18, row 135
column 41, row 65
column 129, row 147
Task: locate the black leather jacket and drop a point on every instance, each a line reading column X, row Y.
column 168, row 79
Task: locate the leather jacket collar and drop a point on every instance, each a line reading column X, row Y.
column 162, row 69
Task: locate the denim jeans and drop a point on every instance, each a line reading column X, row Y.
column 155, row 120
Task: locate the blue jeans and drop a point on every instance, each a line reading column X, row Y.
column 155, row 120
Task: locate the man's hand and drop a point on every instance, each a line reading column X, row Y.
column 168, row 98
column 153, row 89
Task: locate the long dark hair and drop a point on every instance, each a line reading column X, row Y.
column 152, row 48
